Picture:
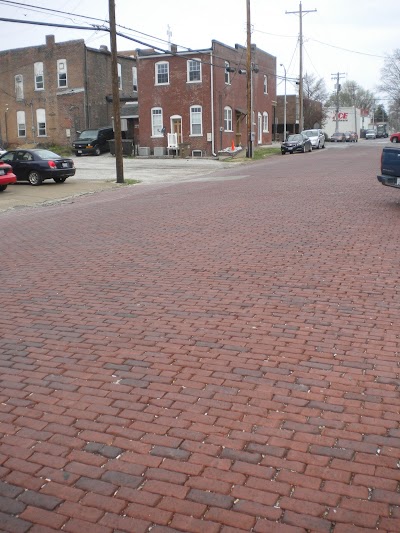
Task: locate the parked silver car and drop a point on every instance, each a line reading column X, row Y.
column 316, row 136
column 370, row 134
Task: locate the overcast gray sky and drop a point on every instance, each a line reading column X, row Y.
column 347, row 36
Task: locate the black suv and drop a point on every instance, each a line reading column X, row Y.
column 93, row 141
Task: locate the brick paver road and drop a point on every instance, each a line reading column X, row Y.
column 205, row 357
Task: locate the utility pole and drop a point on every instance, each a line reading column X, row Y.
column 284, row 107
column 337, row 77
column 119, row 163
column 249, row 87
column 301, row 13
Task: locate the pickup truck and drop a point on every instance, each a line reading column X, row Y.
column 390, row 167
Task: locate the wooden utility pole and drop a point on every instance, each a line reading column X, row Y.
column 115, row 94
column 301, row 92
column 249, row 87
column 337, row 77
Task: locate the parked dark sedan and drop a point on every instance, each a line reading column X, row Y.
column 38, row 165
column 297, row 142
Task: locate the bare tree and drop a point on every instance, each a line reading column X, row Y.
column 314, row 95
column 351, row 94
column 390, row 85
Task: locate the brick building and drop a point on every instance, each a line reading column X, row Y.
column 51, row 91
column 292, row 114
column 201, row 96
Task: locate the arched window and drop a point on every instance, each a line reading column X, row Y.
column 227, row 73
column 62, row 73
column 228, row 118
column 41, row 122
column 21, row 124
column 38, row 73
column 19, row 87
column 265, row 122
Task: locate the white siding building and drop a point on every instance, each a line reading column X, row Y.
column 349, row 119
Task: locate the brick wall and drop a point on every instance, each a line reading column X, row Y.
column 82, row 103
column 212, row 93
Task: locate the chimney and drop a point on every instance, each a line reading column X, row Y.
column 50, row 40
column 174, row 48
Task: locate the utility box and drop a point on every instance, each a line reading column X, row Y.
column 184, row 149
column 144, row 151
column 127, row 147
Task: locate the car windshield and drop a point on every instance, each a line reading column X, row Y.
column 311, row 133
column 370, row 131
column 46, row 154
column 294, row 138
column 88, row 134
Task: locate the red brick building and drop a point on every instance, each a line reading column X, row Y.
column 201, row 96
column 51, row 91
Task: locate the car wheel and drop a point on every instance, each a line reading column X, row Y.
column 3, row 188
column 395, row 140
column 283, row 153
column 59, row 180
column 34, row 178
column 304, row 149
column 97, row 150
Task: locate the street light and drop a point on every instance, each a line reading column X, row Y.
column 284, row 106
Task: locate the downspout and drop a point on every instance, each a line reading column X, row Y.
column 86, row 97
column 212, row 106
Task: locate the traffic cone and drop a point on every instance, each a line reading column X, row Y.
column 233, row 146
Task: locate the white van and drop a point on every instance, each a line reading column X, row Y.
column 316, row 136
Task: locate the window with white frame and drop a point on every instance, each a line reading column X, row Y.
column 265, row 84
column 62, row 73
column 227, row 73
column 193, row 70
column 265, row 122
column 21, row 124
column 196, row 120
column 38, row 74
column 19, row 87
column 156, row 122
column 228, row 118
column 162, row 73
column 134, row 78
column 119, row 68
column 41, row 122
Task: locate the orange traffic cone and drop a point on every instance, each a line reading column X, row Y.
column 233, row 146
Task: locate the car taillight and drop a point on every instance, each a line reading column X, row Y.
column 52, row 164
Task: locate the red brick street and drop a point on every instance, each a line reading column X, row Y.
column 213, row 356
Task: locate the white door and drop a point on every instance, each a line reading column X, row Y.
column 260, row 125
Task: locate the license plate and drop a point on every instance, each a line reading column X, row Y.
column 2, row 171
column 64, row 165
column 79, row 151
